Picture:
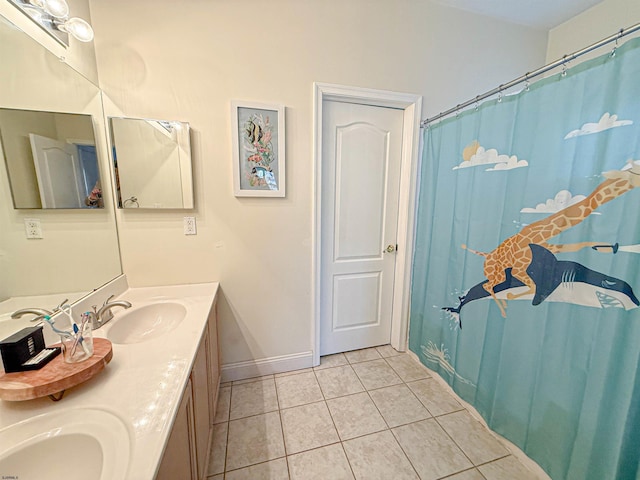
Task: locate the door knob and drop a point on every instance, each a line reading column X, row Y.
column 390, row 249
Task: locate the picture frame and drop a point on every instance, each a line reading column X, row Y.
column 258, row 138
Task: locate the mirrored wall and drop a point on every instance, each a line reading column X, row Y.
column 78, row 249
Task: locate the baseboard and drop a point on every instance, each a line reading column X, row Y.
column 266, row 366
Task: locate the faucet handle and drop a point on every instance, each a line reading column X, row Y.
column 60, row 305
column 108, row 300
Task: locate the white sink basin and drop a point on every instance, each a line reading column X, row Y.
column 79, row 443
column 139, row 324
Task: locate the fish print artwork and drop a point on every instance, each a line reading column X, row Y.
column 258, row 152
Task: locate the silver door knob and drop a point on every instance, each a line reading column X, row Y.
column 390, row 249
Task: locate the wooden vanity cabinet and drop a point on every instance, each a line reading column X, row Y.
column 179, row 459
column 201, row 409
column 186, row 454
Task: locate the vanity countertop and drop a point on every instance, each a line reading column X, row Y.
column 143, row 383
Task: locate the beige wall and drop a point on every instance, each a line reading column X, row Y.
column 187, row 60
column 597, row 23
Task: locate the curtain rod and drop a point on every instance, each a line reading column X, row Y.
column 528, row 76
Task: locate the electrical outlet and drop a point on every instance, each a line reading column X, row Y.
column 190, row 226
column 33, row 228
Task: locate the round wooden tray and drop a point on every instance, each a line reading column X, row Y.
column 56, row 376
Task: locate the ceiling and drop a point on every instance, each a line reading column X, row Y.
column 544, row 14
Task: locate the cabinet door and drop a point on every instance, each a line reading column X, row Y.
column 213, row 359
column 200, row 385
column 178, row 460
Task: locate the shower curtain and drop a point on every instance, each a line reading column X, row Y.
column 526, row 271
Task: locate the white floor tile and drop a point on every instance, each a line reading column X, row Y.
column 308, row 426
column 430, row 450
column 338, row 381
column 472, row 474
column 324, row 463
column 329, row 361
column 253, row 399
column 378, row 457
column 355, row 415
column 363, row 355
column 507, row 468
column 387, row 351
column 408, row 368
column 218, row 449
column 437, row 400
column 300, row 389
column 398, row 405
column 273, row 470
column 472, row 437
column 224, row 402
column 376, row 374
column 254, row 440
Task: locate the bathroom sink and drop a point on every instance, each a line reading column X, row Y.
column 146, row 322
column 78, row 443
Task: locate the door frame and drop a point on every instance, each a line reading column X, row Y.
column 412, row 106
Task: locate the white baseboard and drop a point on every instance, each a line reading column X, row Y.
column 266, row 366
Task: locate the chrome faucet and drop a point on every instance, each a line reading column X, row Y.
column 39, row 313
column 101, row 316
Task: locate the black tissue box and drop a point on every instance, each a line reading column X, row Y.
column 20, row 347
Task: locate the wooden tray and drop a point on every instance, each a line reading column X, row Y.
column 56, row 376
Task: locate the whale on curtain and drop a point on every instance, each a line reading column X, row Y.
column 556, row 281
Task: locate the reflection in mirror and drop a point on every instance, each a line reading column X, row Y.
column 51, row 159
column 152, row 163
column 78, row 251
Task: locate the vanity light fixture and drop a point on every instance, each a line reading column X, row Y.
column 53, row 16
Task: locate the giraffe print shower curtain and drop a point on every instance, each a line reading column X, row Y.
column 526, row 272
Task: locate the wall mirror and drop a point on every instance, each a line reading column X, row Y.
column 51, row 159
column 152, row 163
column 79, row 249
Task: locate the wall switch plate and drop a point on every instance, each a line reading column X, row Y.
column 33, row 228
column 190, row 226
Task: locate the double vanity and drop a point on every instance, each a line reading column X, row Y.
column 148, row 415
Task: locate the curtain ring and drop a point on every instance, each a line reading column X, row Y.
column 526, row 83
column 564, row 67
column 615, row 47
column 500, row 95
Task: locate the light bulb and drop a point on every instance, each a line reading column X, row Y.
column 34, row 13
column 55, row 8
column 79, row 28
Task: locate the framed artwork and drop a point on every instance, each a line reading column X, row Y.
column 258, row 149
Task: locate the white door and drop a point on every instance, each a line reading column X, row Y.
column 57, row 169
column 362, row 151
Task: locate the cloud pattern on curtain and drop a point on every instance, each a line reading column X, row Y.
column 527, row 266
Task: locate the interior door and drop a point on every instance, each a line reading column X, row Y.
column 362, row 151
column 57, row 169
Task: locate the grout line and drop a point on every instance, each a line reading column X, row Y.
column 462, row 471
column 452, row 439
column 226, row 445
column 251, row 465
column 495, row 460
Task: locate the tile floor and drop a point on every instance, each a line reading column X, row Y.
column 368, row 414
